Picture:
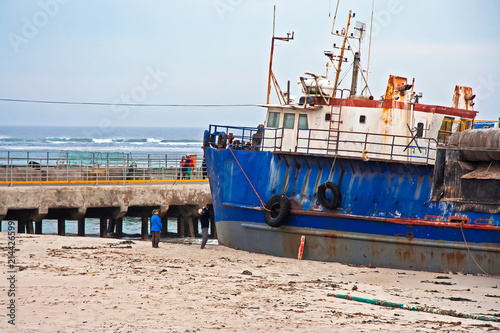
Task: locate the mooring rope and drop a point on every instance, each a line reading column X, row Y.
column 468, row 249
column 262, row 204
column 423, row 308
column 331, row 169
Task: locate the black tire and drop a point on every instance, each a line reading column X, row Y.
column 221, row 141
column 277, row 210
column 335, row 202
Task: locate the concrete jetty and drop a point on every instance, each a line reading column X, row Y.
column 109, row 203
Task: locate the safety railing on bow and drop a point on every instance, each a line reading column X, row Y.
column 90, row 168
column 243, row 138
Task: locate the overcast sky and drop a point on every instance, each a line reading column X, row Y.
column 217, row 52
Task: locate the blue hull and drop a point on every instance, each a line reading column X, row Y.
column 385, row 219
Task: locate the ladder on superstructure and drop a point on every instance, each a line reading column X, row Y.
column 334, row 129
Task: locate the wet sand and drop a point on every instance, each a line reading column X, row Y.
column 75, row 284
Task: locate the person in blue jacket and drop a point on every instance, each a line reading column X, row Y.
column 155, row 227
column 204, row 225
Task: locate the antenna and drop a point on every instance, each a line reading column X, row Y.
column 335, row 17
column 369, row 46
column 289, row 36
column 274, row 19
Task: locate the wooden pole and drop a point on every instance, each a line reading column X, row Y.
column 61, row 227
column 301, row 247
column 144, row 228
column 81, row 226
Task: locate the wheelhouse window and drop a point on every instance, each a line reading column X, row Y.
column 303, row 121
column 420, row 130
column 273, row 120
column 289, row 120
column 446, row 127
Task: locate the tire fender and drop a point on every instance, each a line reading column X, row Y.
column 277, row 210
column 322, row 195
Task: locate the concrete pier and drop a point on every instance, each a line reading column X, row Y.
column 108, row 203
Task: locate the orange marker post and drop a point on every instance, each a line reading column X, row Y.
column 301, row 247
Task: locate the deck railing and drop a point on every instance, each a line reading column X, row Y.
column 412, row 149
column 86, row 168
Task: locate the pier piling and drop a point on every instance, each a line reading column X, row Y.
column 61, row 227
column 103, row 227
column 180, row 225
column 164, row 222
column 81, row 226
column 111, row 226
column 144, row 228
column 119, row 228
column 21, row 227
column 38, row 227
column 29, row 227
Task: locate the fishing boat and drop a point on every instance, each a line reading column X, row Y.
column 341, row 176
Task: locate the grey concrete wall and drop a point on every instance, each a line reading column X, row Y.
column 39, row 202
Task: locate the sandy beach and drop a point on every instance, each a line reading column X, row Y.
column 75, row 284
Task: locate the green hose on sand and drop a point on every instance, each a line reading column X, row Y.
column 423, row 308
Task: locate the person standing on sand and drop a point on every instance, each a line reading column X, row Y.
column 204, row 226
column 155, row 228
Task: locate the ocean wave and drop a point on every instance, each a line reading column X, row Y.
column 11, row 139
column 52, row 138
column 102, row 140
column 181, row 143
column 153, row 140
column 66, row 140
column 135, row 140
column 70, row 140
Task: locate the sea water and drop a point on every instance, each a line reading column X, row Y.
column 171, row 141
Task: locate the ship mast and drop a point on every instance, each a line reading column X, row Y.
column 289, row 36
column 341, row 57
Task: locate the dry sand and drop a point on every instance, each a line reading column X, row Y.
column 74, row 284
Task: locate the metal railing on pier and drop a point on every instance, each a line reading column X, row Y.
column 91, row 168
